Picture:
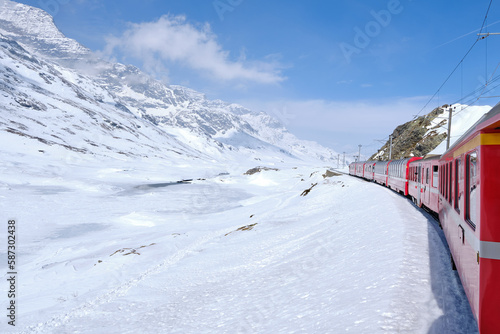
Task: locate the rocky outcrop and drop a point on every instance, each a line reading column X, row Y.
column 417, row 137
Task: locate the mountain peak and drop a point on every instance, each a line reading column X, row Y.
column 35, row 29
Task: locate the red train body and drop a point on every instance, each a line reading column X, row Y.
column 424, row 181
column 398, row 173
column 463, row 187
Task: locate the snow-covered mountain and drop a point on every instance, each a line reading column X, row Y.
column 58, row 92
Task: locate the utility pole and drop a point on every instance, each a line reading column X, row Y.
column 449, row 128
column 390, row 147
column 338, row 161
column 343, row 161
column 359, row 152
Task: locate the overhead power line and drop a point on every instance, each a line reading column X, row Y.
column 459, row 63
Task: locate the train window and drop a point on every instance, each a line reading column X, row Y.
column 435, row 176
column 446, row 183
column 427, row 176
column 472, row 190
column 450, row 178
column 458, row 169
column 444, row 180
column 441, row 178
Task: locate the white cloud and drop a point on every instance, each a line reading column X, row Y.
column 173, row 41
column 352, row 116
column 341, row 124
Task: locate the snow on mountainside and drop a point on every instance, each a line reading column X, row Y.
column 212, row 126
column 58, row 107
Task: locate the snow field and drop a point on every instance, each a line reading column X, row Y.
column 111, row 250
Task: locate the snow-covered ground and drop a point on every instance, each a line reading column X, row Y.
column 113, row 247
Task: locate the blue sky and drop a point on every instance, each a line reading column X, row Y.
column 341, row 73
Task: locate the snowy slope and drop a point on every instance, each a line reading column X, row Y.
column 61, row 115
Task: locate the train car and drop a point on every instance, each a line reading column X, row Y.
column 397, row 174
column 381, row 172
column 352, row 168
column 423, row 182
column 360, row 168
column 357, row 168
column 369, row 170
column 469, row 211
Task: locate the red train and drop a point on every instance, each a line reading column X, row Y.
column 463, row 187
